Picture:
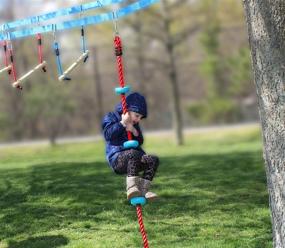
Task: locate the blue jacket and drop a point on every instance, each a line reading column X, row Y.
column 115, row 133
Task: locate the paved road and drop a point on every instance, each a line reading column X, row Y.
column 84, row 139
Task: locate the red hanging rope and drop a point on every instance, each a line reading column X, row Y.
column 119, row 53
column 40, row 50
column 142, row 230
column 5, row 53
column 14, row 75
column 6, row 62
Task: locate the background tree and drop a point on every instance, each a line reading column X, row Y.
column 51, row 108
column 12, row 102
column 97, row 85
column 240, row 88
column 226, row 72
column 265, row 20
column 157, row 45
column 166, row 34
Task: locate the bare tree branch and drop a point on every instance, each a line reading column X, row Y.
column 183, row 35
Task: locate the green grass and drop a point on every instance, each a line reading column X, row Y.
column 212, row 194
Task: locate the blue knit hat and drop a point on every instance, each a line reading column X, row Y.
column 136, row 103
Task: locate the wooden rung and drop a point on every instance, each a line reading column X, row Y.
column 75, row 64
column 7, row 68
column 39, row 66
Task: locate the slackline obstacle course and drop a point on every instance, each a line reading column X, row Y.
column 35, row 26
column 20, row 29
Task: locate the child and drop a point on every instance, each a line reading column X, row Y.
column 133, row 160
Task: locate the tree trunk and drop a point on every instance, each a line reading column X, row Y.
column 98, row 88
column 14, row 96
column 175, row 97
column 266, row 22
column 140, row 56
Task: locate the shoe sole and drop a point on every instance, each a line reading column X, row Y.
column 151, row 199
column 134, row 194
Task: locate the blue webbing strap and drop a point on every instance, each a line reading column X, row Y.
column 141, row 4
column 58, row 62
column 83, row 43
column 61, row 12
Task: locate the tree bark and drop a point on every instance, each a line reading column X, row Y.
column 140, row 56
column 266, row 22
column 14, row 96
column 98, row 88
column 172, row 72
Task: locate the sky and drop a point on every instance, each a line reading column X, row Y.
column 35, row 7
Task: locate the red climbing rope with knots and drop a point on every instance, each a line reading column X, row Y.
column 140, row 219
column 119, row 53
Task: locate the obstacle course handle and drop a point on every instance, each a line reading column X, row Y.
column 7, row 68
column 39, row 66
column 122, row 90
column 73, row 66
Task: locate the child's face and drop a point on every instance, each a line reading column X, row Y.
column 135, row 117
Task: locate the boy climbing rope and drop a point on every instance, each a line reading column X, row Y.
column 130, row 161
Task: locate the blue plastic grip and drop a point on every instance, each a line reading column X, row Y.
column 131, row 144
column 138, row 201
column 124, row 90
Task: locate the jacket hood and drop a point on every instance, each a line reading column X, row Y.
column 136, row 103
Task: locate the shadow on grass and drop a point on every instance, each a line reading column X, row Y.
column 42, row 242
column 56, row 196
column 223, row 191
column 219, row 179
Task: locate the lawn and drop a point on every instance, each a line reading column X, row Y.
column 212, row 194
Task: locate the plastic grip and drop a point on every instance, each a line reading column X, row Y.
column 122, row 90
column 138, row 201
column 131, row 144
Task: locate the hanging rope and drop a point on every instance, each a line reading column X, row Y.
column 14, row 74
column 6, row 57
column 64, row 75
column 57, row 54
column 119, row 53
column 142, row 230
column 7, row 66
column 40, row 51
column 83, row 44
column 41, row 65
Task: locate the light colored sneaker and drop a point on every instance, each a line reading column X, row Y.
column 132, row 187
column 144, row 186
